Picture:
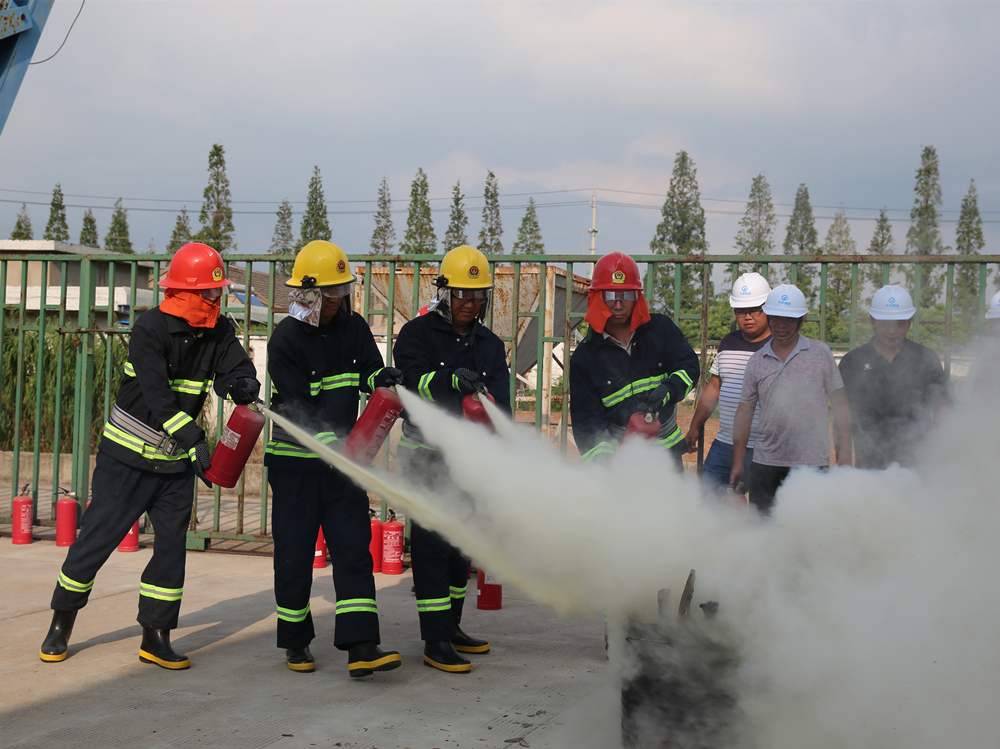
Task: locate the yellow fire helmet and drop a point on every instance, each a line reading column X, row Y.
column 465, row 268
column 320, row 263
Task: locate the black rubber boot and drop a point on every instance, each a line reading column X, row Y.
column 300, row 659
column 366, row 658
column 54, row 647
column 466, row 644
column 155, row 648
column 441, row 655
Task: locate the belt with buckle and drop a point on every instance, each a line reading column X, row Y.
column 159, row 441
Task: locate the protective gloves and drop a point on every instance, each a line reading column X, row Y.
column 655, row 400
column 245, row 390
column 202, row 459
column 467, row 381
column 387, row 377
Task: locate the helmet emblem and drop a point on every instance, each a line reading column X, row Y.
column 341, row 265
column 473, row 271
column 784, row 298
column 892, row 300
column 217, row 274
column 618, row 277
column 746, row 289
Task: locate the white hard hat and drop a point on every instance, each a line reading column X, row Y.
column 750, row 290
column 892, row 303
column 993, row 311
column 785, row 301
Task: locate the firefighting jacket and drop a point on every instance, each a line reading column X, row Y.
column 608, row 384
column 316, row 376
column 429, row 350
column 169, row 371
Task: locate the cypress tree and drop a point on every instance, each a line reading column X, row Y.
column 384, row 237
column 838, row 278
column 801, row 238
column 882, row 244
column 924, row 235
column 529, row 234
column 315, row 224
column 216, row 216
column 22, row 227
column 88, row 234
column 117, row 238
column 458, row 220
column 968, row 241
column 283, row 239
column 757, row 227
column 419, row 238
column 492, row 228
column 57, row 230
column 182, row 231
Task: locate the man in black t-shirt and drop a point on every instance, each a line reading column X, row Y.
column 895, row 387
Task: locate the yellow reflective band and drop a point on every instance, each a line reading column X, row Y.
column 601, row 448
column 411, row 444
column 371, row 379
column 124, row 439
column 160, row 594
column 177, row 422
column 671, row 439
column 326, row 437
column 458, row 592
column 633, row 388
column 350, row 379
column 73, row 586
column 687, row 381
column 287, row 450
column 129, row 369
column 291, row 615
column 434, row 604
column 424, row 387
column 356, row 605
column 191, row 387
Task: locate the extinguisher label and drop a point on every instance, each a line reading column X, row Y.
column 230, row 438
column 488, row 579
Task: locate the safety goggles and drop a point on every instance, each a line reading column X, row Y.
column 480, row 295
column 339, row 291
column 216, row 293
column 620, row 296
column 749, row 311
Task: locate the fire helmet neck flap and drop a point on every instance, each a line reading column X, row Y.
column 464, row 267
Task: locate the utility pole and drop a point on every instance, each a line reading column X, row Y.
column 593, row 229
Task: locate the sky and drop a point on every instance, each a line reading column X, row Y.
column 558, row 99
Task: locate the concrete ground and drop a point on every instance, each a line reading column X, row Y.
column 545, row 683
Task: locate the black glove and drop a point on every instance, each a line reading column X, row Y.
column 245, row 390
column 202, row 459
column 387, row 377
column 654, row 401
column 469, row 381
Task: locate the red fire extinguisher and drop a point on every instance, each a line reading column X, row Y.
column 373, row 426
column 66, row 512
column 489, row 591
column 392, row 546
column 642, row 425
column 319, row 559
column 235, row 445
column 131, row 540
column 473, row 410
column 375, row 547
column 23, row 519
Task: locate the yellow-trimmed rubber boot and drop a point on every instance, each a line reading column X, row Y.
column 55, row 646
column 155, row 648
column 365, row 658
column 466, row 644
column 441, row 655
column 300, row 659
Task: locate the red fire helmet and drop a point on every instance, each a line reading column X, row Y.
column 195, row 266
column 616, row 271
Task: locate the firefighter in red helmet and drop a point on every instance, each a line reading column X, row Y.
column 152, row 448
column 631, row 361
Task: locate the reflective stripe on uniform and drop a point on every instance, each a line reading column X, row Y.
column 160, row 594
column 458, row 592
column 350, row 379
column 687, row 380
column 291, row 615
column 434, row 604
column 424, row 387
column 288, row 450
column 73, row 586
column 601, row 448
column 412, row 444
column 671, row 439
column 356, row 605
column 129, row 369
column 371, row 379
column 191, row 387
column 135, row 444
column 633, row 388
column 177, row 422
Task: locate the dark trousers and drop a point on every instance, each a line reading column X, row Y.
column 764, row 483
column 120, row 495
column 304, row 501
column 440, row 578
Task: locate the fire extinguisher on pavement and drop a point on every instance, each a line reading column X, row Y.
column 473, row 409
column 235, row 445
column 319, row 558
column 24, row 520
column 489, row 591
column 375, row 546
column 392, row 546
column 66, row 513
column 373, row 426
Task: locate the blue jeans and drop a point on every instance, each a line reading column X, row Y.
column 719, row 463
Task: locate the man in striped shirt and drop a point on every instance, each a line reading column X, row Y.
column 726, row 381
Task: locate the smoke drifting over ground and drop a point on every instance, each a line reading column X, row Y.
column 862, row 613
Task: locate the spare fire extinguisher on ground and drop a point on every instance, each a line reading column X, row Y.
column 24, row 520
column 131, row 540
column 473, row 409
column 375, row 547
column 66, row 514
column 642, row 425
column 373, row 426
column 235, row 445
column 392, row 546
column 319, row 560
column 489, row 591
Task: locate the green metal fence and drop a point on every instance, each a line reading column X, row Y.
column 64, row 346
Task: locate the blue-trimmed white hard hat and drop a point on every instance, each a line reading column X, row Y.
column 993, row 311
column 892, row 303
column 786, row 301
column 750, row 290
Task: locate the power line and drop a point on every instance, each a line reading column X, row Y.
column 65, row 39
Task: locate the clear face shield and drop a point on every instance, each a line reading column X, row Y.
column 307, row 304
column 442, row 301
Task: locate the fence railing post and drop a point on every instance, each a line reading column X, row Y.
column 84, row 400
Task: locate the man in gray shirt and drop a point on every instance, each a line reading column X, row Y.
column 790, row 380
